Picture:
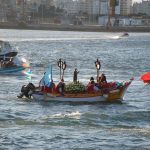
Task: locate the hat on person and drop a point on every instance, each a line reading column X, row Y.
column 91, row 79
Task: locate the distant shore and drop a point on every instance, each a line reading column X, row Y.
column 86, row 28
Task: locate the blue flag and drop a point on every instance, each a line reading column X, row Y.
column 48, row 77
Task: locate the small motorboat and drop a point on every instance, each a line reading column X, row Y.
column 125, row 34
column 9, row 62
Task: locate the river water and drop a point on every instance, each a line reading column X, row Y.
column 48, row 125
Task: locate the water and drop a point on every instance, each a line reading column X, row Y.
column 48, row 125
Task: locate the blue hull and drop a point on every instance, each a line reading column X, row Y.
column 11, row 70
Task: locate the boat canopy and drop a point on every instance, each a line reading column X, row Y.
column 5, row 48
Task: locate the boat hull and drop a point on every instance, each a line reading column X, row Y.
column 49, row 97
column 113, row 96
column 11, row 70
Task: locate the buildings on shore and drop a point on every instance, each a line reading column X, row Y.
column 86, row 11
column 141, row 8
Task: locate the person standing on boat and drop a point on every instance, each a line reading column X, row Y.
column 75, row 74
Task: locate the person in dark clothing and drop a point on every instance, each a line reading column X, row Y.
column 27, row 91
column 61, row 87
column 75, row 75
column 92, row 80
column 103, row 78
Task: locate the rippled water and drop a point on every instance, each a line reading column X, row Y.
column 48, row 125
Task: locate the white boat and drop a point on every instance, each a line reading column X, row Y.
column 9, row 62
column 111, row 95
column 125, row 34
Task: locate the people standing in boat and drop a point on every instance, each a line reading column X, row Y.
column 75, row 74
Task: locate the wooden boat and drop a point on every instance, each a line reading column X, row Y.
column 111, row 95
column 9, row 62
column 75, row 91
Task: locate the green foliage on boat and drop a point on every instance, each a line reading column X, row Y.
column 75, row 88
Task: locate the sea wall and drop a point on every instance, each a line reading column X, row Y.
column 90, row 28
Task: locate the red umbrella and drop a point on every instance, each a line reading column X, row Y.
column 146, row 77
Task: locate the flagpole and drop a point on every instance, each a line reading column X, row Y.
column 51, row 73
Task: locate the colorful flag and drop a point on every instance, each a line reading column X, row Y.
column 48, row 77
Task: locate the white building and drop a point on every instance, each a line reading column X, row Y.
column 143, row 7
column 70, row 6
column 94, row 7
column 125, row 7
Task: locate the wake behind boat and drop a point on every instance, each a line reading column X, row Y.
column 75, row 91
column 9, row 62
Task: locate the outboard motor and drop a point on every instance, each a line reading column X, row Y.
column 27, row 90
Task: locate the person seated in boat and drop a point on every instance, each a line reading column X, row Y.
column 102, row 81
column 61, row 87
column 102, row 78
column 10, row 63
column 53, row 87
column 91, row 87
column 1, row 64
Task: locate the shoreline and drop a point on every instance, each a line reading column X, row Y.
column 83, row 28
